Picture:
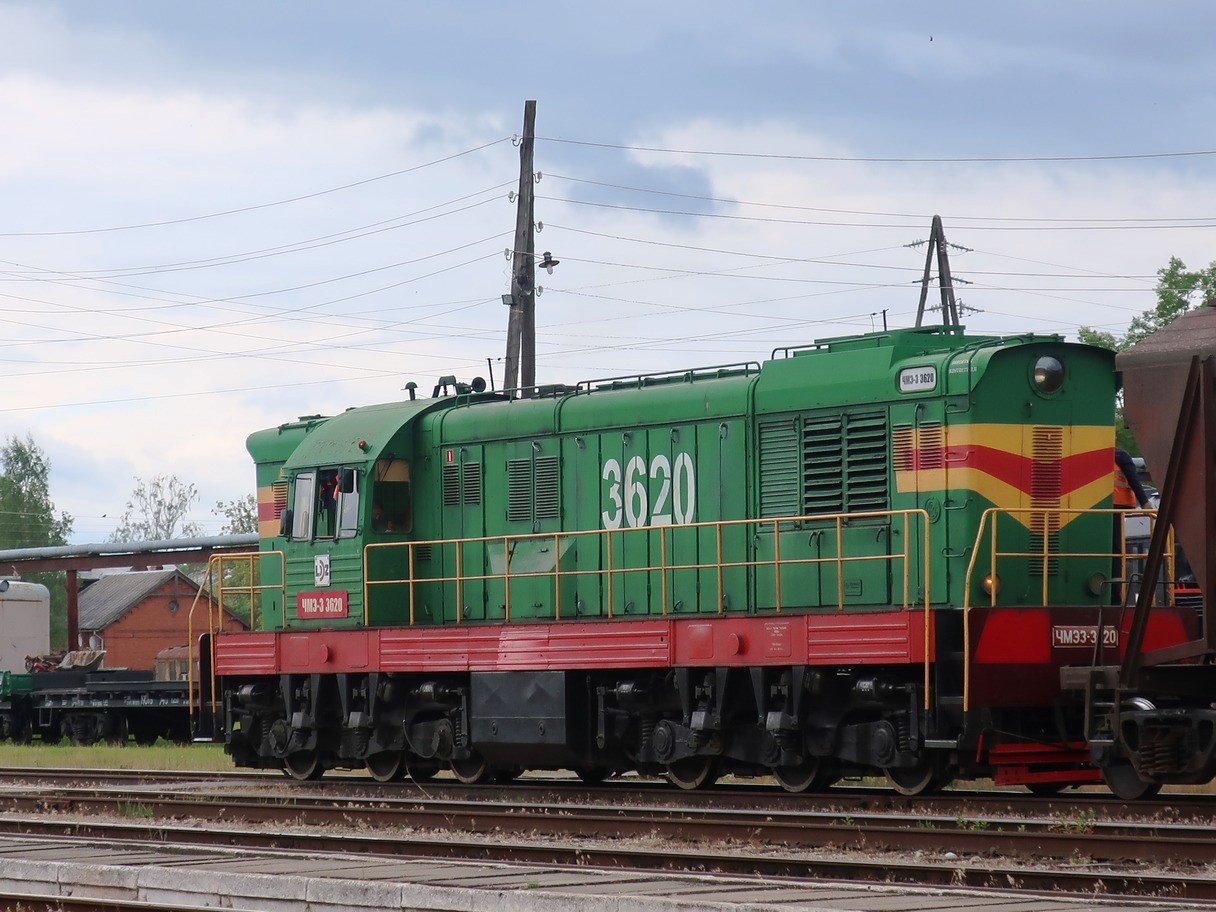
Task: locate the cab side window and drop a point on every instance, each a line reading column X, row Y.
column 348, row 510
column 302, row 505
column 326, row 504
column 391, row 507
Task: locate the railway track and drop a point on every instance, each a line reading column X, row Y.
column 754, row 795
column 626, row 854
column 922, row 842
column 1083, row 836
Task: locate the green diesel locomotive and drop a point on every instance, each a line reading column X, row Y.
column 873, row 554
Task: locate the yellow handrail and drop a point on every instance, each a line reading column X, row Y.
column 216, row 567
column 560, row 542
column 988, row 525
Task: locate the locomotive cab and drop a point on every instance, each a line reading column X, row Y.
column 345, row 488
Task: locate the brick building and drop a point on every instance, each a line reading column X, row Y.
column 134, row 615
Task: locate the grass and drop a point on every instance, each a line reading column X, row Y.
column 160, row 756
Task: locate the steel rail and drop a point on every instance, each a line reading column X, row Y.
column 1067, row 806
column 1082, row 836
column 1189, row 886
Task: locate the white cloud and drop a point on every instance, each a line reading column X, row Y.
column 171, row 369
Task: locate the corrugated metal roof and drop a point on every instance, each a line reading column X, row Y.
column 105, row 601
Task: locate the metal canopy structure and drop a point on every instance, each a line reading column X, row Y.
column 71, row 559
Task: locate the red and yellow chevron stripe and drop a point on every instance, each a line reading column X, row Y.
column 1012, row 466
column 272, row 501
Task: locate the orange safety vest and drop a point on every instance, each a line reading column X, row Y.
column 1125, row 497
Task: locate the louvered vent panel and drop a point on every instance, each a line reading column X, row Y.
column 779, row 481
column 931, row 448
column 451, row 484
column 278, row 491
column 422, row 553
column 822, row 465
column 866, row 462
column 519, row 490
column 903, row 448
column 548, row 504
column 470, row 481
column 1047, row 452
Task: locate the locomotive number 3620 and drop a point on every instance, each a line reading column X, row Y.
column 658, row 495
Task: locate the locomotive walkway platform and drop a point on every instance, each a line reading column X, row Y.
column 264, row 881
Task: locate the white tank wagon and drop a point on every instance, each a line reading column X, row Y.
column 25, row 623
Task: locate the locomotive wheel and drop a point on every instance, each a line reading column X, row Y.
column 303, row 765
column 422, row 770
column 810, row 775
column 921, row 779
column 472, row 770
column 693, row 772
column 1122, row 779
column 386, row 766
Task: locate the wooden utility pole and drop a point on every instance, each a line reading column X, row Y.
column 521, row 326
column 937, row 240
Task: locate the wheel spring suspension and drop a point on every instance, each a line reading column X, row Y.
column 77, row 728
column 903, row 733
column 647, row 735
column 1163, row 751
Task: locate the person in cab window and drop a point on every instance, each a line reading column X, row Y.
column 328, row 494
column 381, row 522
column 1129, row 492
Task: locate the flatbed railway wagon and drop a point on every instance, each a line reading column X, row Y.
column 868, row 556
column 42, row 699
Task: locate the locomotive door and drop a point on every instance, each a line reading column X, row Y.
column 463, row 519
column 635, row 588
column 688, row 488
column 923, row 481
column 649, row 493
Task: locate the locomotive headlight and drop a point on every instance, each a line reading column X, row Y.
column 992, row 584
column 1048, row 374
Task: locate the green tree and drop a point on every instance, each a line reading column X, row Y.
column 1178, row 290
column 240, row 515
column 28, row 519
column 156, row 511
column 27, row 515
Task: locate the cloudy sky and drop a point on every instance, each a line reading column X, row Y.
column 217, row 217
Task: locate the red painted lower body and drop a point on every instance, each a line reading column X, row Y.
column 1017, row 653
column 872, row 638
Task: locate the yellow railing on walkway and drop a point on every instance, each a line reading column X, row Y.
column 501, row 549
column 228, row 576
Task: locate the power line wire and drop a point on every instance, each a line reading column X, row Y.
column 258, row 206
column 879, row 214
column 878, row 160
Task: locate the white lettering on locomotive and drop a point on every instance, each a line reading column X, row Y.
column 663, row 494
column 1066, row 636
column 333, row 603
